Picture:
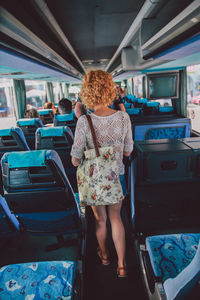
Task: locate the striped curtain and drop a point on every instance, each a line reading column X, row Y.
column 49, row 92
column 19, row 97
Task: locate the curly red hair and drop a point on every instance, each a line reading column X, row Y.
column 97, row 88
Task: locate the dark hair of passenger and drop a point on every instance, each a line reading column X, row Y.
column 31, row 113
column 64, row 106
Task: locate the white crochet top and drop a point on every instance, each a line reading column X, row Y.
column 113, row 130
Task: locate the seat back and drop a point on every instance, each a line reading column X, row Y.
column 58, row 138
column 11, row 140
column 29, row 127
column 140, row 102
column 65, row 120
column 38, row 191
column 46, row 115
column 151, row 108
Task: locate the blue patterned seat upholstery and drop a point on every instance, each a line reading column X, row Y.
column 165, row 133
column 170, row 254
column 40, row 280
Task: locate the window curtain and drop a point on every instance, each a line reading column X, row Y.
column 61, row 90
column 49, row 91
column 19, row 97
column 129, row 86
column 66, row 90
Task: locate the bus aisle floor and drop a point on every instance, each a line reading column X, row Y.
column 101, row 282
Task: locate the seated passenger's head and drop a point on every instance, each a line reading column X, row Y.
column 64, row 106
column 98, row 88
column 50, row 105
column 31, row 113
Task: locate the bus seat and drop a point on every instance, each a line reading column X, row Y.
column 46, row 115
column 11, row 140
column 38, row 280
column 167, row 257
column 65, row 120
column 29, row 127
column 38, row 191
column 134, row 111
column 166, row 109
column 8, row 221
column 59, row 138
column 151, row 108
column 140, row 102
column 127, row 105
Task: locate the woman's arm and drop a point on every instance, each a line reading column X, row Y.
column 79, row 144
column 126, row 153
column 121, row 107
column 77, row 109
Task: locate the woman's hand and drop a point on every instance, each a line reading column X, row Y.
column 75, row 161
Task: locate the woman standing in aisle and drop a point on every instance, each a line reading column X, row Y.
column 112, row 128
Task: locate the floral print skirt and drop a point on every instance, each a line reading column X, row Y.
column 98, row 178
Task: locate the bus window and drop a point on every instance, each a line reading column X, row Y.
column 35, row 93
column 193, row 96
column 7, row 116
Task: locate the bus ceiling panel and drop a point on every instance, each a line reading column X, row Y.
column 24, row 23
column 154, row 36
column 16, row 63
column 95, row 28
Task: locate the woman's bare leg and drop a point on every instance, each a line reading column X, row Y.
column 101, row 230
column 118, row 232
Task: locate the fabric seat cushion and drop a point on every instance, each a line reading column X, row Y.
column 41, row 280
column 170, row 254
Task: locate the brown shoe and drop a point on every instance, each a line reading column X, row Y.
column 122, row 272
column 104, row 260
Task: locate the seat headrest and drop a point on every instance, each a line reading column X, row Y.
column 133, row 111
column 24, row 159
column 66, row 117
column 5, row 132
column 127, row 105
column 142, row 100
column 153, row 104
column 27, row 121
column 52, row 131
column 166, row 109
column 42, row 112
